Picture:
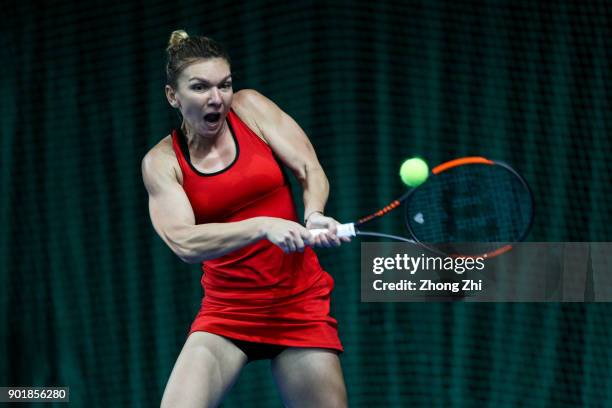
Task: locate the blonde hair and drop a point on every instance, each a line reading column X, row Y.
column 176, row 38
column 183, row 50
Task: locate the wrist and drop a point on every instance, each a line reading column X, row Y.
column 310, row 214
column 260, row 227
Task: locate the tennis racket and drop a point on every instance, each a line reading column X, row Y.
column 470, row 206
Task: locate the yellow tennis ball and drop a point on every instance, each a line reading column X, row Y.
column 414, row 172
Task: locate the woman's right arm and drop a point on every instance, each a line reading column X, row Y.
column 174, row 221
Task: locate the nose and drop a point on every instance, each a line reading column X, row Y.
column 215, row 96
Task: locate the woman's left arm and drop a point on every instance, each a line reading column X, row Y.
column 291, row 145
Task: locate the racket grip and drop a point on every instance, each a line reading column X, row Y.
column 343, row 230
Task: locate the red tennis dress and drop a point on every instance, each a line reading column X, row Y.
column 256, row 293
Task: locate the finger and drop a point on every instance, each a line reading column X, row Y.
column 345, row 239
column 307, row 237
column 316, row 241
column 325, row 241
column 298, row 241
column 289, row 244
column 334, row 240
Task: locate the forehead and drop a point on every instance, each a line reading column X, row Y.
column 212, row 70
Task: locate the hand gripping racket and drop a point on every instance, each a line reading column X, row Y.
column 468, row 200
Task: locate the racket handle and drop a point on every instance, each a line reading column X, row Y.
column 343, row 230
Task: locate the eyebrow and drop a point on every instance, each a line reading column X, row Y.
column 207, row 82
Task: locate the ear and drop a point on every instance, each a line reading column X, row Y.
column 170, row 95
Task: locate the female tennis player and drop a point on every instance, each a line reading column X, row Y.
column 218, row 195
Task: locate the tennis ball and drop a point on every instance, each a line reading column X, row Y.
column 414, row 172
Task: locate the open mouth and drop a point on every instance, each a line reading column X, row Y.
column 212, row 117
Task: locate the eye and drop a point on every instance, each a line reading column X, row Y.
column 199, row 87
column 226, row 85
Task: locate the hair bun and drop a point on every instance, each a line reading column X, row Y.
column 176, row 38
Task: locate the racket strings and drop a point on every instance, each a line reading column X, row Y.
column 465, row 225
column 471, row 203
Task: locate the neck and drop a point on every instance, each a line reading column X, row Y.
column 199, row 143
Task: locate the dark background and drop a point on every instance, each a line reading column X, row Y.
column 92, row 299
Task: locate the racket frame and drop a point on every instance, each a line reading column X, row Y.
column 353, row 229
column 469, row 160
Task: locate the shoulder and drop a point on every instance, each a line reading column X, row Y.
column 160, row 155
column 160, row 162
column 250, row 100
column 256, row 110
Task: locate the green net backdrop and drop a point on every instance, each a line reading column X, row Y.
column 91, row 298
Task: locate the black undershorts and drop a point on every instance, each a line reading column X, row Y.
column 258, row 351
